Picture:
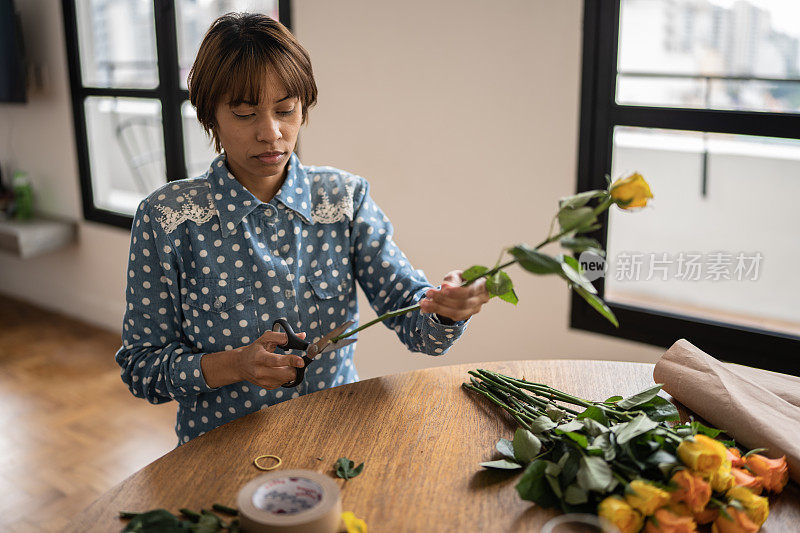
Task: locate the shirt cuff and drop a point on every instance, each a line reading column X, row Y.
column 440, row 337
column 187, row 377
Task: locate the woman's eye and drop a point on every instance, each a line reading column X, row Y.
column 287, row 112
column 244, row 116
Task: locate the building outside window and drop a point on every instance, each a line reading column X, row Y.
column 702, row 97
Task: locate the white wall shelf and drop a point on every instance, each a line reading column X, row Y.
column 29, row 238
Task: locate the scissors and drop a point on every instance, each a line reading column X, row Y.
column 325, row 344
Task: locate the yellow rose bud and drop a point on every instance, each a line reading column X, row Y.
column 618, row 512
column 646, row 497
column 756, row 507
column 630, row 192
column 702, row 454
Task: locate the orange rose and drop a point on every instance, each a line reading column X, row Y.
column 744, row 479
column 646, row 497
column 706, row 516
column 756, row 507
column 737, row 523
column 702, row 454
column 668, row 522
column 773, row 473
column 692, row 490
column 618, row 512
column 735, row 457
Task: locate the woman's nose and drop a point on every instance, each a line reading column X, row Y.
column 269, row 130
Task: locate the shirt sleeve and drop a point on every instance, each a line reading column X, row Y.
column 391, row 282
column 156, row 361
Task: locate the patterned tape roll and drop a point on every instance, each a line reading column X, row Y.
column 290, row 501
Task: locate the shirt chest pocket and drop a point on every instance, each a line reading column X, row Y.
column 219, row 313
column 332, row 298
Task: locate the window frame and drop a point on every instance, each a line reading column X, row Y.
column 168, row 92
column 599, row 115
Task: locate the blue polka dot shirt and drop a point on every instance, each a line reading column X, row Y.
column 211, row 267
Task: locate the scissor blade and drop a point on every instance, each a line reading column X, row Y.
column 340, row 344
column 324, row 341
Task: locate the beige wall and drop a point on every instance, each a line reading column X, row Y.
column 463, row 115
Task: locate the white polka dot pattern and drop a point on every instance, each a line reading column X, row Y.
column 204, row 285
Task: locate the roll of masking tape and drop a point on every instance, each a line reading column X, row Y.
column 290, row 501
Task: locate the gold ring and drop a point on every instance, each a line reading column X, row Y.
column 273, row 467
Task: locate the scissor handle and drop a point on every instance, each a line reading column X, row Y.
column 293, row 342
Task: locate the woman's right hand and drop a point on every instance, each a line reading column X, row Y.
column 256, row 363
column 260, row 366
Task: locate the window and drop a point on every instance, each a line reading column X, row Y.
column 134, row 126
column 703, row 98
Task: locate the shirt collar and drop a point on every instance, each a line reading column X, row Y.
column 296, row 190
column 234, row 202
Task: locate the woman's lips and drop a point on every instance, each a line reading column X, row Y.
column 271, row 157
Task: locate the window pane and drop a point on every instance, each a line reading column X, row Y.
column 197, row 145
column 117, row 43
column 710, row 54
column 729, row 254
column 126, row 151
column 195, row 17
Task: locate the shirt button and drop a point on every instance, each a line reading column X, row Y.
column 268, row 211
column 288, row 293
column 217, row 303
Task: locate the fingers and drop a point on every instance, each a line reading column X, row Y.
column 454, row 277
column 273, row 338
column 274, row 360
column 454, row 301
column 276, row 378
column 453, row 313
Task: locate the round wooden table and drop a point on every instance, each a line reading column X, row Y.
column 420, row 435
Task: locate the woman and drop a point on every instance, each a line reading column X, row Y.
column 215, row 259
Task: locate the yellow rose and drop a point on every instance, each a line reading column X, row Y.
column 618, row 512
column 723, row 479
column 630, row 192
column 756, row 507
column 702, row 454
column 646, row 497
column 353, row 524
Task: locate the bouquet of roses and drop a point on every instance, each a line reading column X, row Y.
column 623, row 460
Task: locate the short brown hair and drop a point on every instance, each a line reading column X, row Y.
column 235, row 54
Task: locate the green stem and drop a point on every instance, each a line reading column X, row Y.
column 597, row 210
column 492, row 399
column 381, row 318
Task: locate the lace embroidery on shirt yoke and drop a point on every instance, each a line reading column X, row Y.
column 172, row 218
column 327, row 213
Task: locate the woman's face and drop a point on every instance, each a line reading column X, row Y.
column 259, row 138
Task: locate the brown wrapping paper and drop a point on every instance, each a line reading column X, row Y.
column 758, row 408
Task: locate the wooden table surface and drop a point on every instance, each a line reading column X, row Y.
column 420, row 434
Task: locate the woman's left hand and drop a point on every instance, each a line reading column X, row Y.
column 453, row 301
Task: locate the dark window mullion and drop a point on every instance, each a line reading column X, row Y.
column 79, row 110
column 168, row 89
column 715, row 121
